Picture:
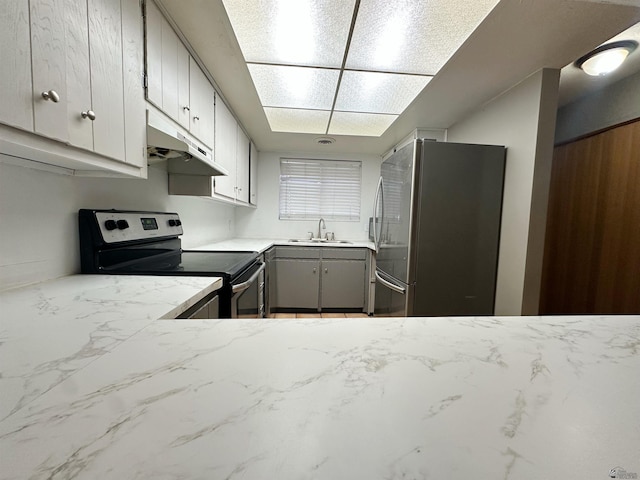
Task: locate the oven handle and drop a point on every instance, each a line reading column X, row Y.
column 241, row 287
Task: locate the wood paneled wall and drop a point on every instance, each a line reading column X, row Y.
column 592, row 245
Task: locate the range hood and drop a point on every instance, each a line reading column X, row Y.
column 183, row 154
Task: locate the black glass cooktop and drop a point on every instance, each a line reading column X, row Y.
column 191, row 262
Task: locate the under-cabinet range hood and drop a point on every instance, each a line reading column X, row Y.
column 165, row 143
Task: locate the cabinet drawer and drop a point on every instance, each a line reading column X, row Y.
column 297, row 252
column 345, row 253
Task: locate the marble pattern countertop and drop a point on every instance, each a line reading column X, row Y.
column 51, row 330
column 365, row 398
column 262, row 244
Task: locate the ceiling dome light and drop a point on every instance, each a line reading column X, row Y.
column 606, row 58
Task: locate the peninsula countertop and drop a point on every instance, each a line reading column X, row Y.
column 366, row 398
column 52, row 329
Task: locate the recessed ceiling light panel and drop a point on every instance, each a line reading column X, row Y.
column 297, row 121
column 294, row 87
column 292, row 32
column 363, row 124
column 412, row 36
column 375, row 92
column 606, row 58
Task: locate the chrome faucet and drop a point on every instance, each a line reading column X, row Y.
column 321, row 222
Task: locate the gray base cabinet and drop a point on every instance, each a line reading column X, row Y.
column 297, row 283
column 343, row 284
column 311, row 278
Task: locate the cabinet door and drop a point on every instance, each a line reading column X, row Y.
column 16, row 98
column 133, row 65
column 184, row 100
column 296, row 283
column 343, row 284
column 78, row 91
column 226, row 130
column 48, row 63
column 169, row 71
column 202, row 105
column 242, row 167
column 253, row 175
column 154, row 21
column 107, row 90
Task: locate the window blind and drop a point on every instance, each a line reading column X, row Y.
column 310, row 189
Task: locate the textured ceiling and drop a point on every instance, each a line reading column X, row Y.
column 518, row 38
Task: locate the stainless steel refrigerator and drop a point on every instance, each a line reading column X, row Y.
column 436, row 227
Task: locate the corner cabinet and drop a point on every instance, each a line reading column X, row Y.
column 72, row 85
column 318, row 279
column 232, row 151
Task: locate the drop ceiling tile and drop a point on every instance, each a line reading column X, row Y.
column 293, row 32
column 412, row 36
column 363, row 124
column 297, row 121
column 375, row 92
column 294, row 87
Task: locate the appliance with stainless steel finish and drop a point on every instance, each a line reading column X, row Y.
column 436, row 229
column 147, row 243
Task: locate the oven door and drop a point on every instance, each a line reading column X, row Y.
column 247, row 298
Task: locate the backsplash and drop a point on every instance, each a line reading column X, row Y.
column 38, row 213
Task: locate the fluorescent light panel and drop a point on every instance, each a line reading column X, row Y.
column 395, row 49
column 297, row 121
column 375, row 92
column 292, row 32
column 363, row 124
column 412, row 36
column 294, row 87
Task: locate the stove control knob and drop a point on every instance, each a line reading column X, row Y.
column 122, row 224
column 178, row 223
column 110, row 225
column 172, row 223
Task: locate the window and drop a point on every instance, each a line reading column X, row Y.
column 310, row 189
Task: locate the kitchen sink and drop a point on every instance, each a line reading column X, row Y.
column 318, row 240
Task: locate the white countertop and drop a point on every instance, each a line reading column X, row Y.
column 51, row 330
column 262, row 244
column 367, row 398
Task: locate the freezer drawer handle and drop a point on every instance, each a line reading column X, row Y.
column 390, row 285
column 241, row 287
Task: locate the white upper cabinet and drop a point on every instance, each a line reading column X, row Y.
column 48, row 64
column 74, row 67
column 253, row 175
column 154, row 22
column 242, row 167
column 203, row 98
column 226, row 143
column 184, row 102
column 16, row 100
column 107, row 87
column 175, row 82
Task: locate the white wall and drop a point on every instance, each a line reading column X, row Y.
column 264, row 221
column 522, row 119
column 38, row 217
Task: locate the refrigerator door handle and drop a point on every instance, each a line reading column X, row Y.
column 390, row 285
column 375, row 214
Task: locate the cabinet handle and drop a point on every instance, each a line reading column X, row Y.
column 51, row 95
column 314, row 270
column 186, row 108
column 326, row 270
column 196, row 118
column 90, row 114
